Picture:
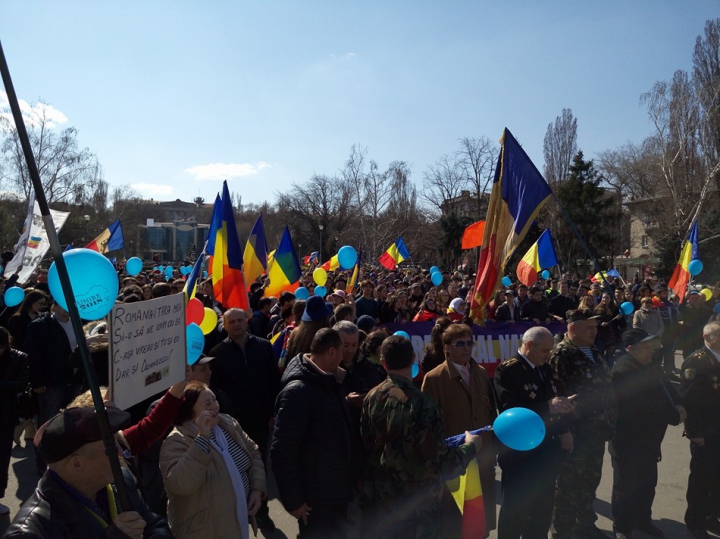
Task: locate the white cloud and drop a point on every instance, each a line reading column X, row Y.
column 152, row 189
column 33, row 114
column 224, row 171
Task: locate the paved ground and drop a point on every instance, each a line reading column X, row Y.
column 668, row 509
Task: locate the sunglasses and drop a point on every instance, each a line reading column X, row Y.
column 463, row 344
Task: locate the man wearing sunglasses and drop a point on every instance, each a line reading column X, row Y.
column 462, row 390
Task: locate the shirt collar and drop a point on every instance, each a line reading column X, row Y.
column 714, row 353
column 532, row 365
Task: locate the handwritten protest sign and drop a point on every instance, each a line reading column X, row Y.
column 147, row 348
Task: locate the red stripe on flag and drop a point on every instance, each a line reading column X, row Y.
column 473, row 519
column 526, row 274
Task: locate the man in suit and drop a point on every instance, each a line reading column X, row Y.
column 528, row 477
column 462, row 390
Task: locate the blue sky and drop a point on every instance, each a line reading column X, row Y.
column 175, row 96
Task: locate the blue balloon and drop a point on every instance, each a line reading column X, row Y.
column 14, row 296
column 506, row 281
column 434, row 269
column 717, row 308
column 169, row 270
column 94, row 282
column 183, row 271
column 320, row 291
column 436, row 278
column 402, row 334
column 195, row 342
column 347, row 256
column 133, row 266
column 156, row 268
column 695, row 267
column 627, row 308
column 415, row 370
column 302, row 293
column 204, row 274
column 520, row 429
column 545, row 274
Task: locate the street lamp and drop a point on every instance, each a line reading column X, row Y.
column 87, row 226
column 320, row 251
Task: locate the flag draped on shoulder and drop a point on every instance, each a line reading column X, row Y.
column 519, row 192
column 226, row 264
column 395, row 254
column 110, row 239
column 540, row 256
column 473, row 235
column 681, row 276
column 255, row 256
column 284, row 272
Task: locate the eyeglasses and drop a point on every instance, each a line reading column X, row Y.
column 463, row 344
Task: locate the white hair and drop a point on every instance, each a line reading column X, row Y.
column 347, row 327
column 536, row 334
column 711, row 329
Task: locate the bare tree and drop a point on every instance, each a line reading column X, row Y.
column 443, row 183
column 477, row 157
column 706, row 78
column 559, row 147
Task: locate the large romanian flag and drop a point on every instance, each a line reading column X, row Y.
column 681, row 276
column 540, row 255
column 467, row 493
column 255, row 256
column 519, row 192
column 395, row 254
column 284, row 272
column 226, row 264
column 110, row 239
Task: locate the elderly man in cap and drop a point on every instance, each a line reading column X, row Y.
column 579, row 369
column 75, row 498
column 647, row 404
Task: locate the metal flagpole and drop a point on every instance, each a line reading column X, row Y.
column 91, row 378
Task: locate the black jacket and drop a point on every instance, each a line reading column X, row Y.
column 503, row 313
column 700, row 387
column 13, row 380
column 534, row 309
column 48, row 350
column 52, row 513
column 312, row 450
column 646, row 406
column 249, row 378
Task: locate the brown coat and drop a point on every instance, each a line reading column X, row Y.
column 464, row 409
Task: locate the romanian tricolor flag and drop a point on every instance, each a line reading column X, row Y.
column 191, row 283
column 540, row 255
column 310, row 259
column 284, row 272
column 255, row 256
column 681, row 276
column 33, row 242
column 332, row 264
column 354, row 276
column 110, row 239
column 467, row 492
column 599, row 277
column 395, row 254
column 226, row 264
column 519, row 192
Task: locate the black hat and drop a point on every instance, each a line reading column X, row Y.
column 71, row 429
column 316, row 309
column 634, row 336
column 575, row 315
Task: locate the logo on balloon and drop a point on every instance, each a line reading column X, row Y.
column 195, row 343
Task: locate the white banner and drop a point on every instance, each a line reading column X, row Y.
column 33, row 243
column 147, row 348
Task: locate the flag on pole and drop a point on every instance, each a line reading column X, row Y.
column 467, row 493
column 227, row 260
column 540, row 256
column 519, row 192
column 255, row 256
column 311, row 258
column 190, row 287
column 284, row 273
column 110, row 239
column 473, row 235
column 681, row 276
column 354, row 276
column 599, row 277
column 395, row 254
column 332, row 264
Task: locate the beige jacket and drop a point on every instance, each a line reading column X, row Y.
column 201, row 500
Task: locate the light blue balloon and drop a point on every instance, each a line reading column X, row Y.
column 195, row 342
column 94, row 282
column 415, row 370
column 347, row 256
column 156, row 268
column 320, row 291
column 434, row 269
column 520, row 429
column 133, row 266
column 14, row 296
column 545, row 274
column 436, row 278
column 169, row 270
column 627, row 308
column 402, row 334
column 302, row 293
column 506, row 281
column 695, row 267
column 204, row 274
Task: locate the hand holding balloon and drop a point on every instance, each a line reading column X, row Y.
column 518, row 428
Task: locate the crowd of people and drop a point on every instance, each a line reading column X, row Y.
column 320, row 391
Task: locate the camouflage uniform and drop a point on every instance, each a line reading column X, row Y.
column 407, row 458
column 700, row 387
column 592, row 424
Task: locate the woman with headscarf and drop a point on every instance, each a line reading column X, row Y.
column 456, row 310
